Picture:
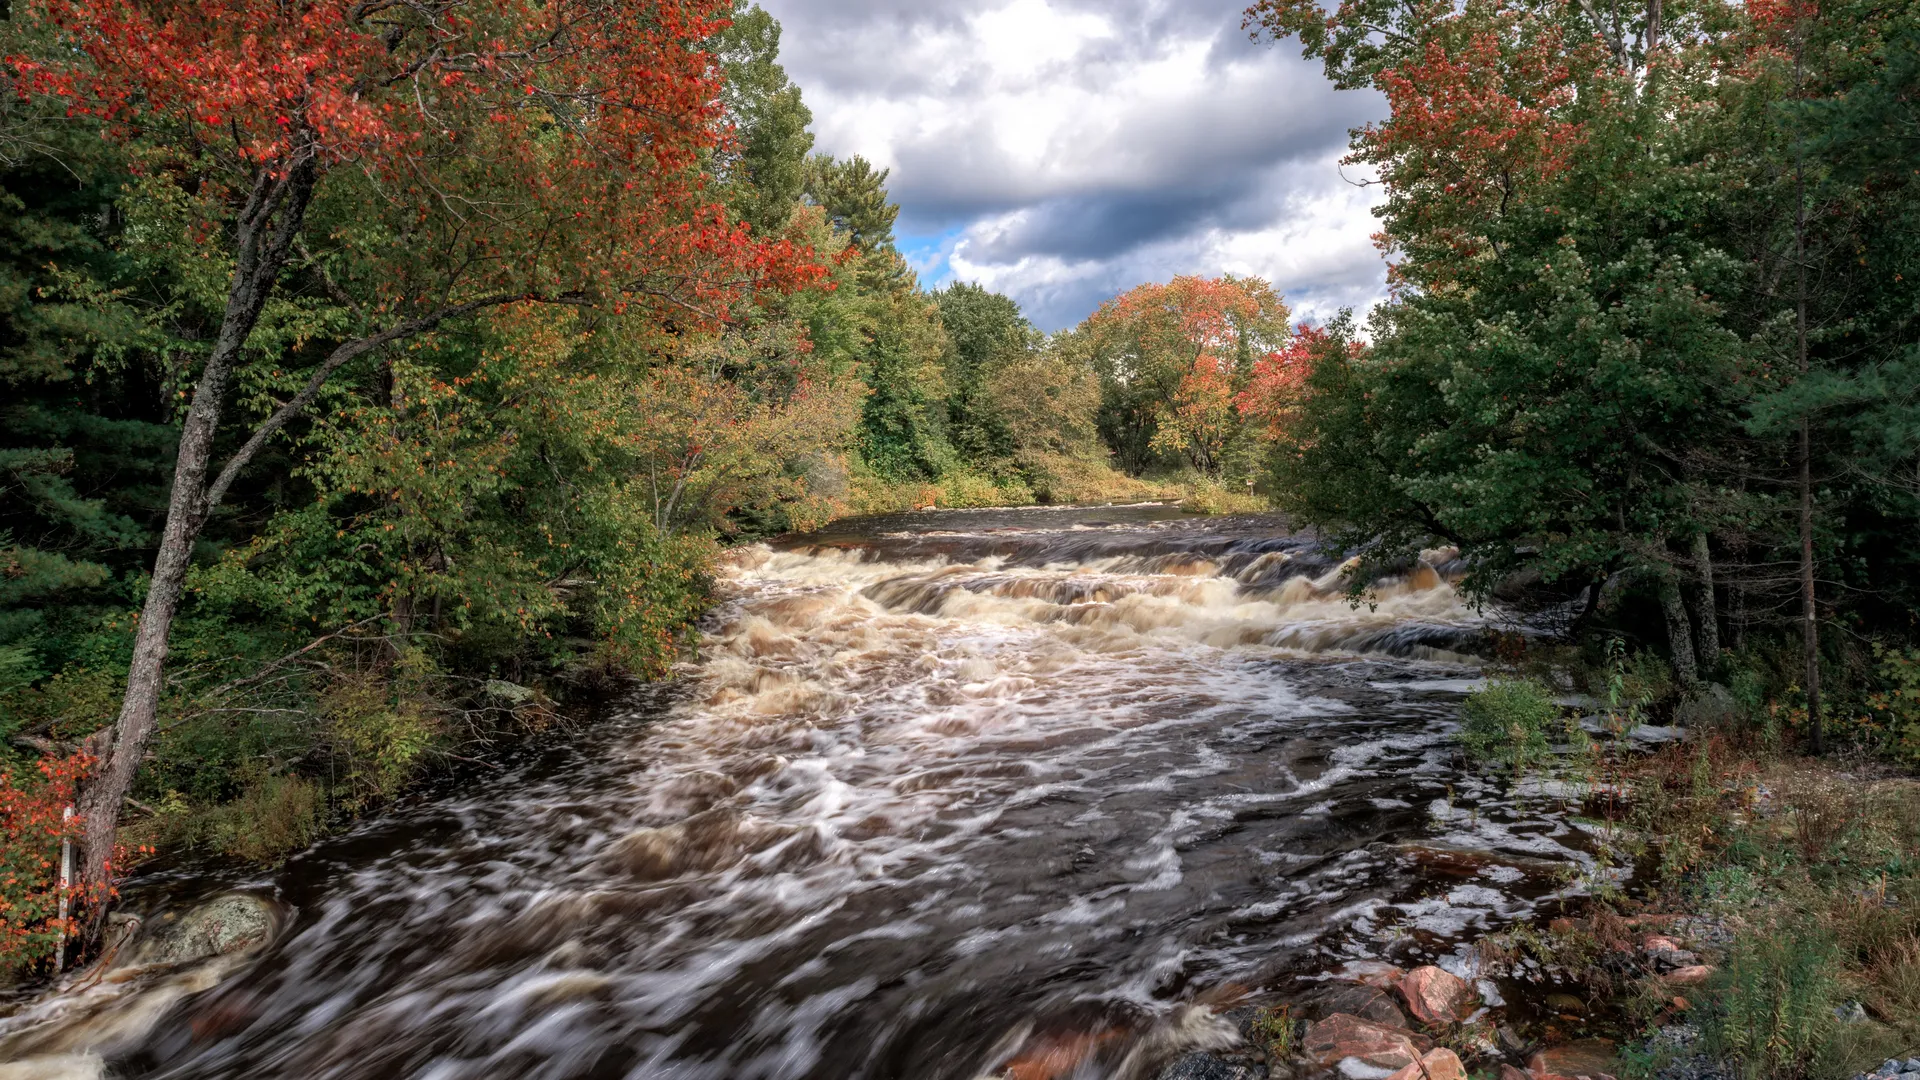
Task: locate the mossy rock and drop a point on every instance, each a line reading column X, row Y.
column 231, row 923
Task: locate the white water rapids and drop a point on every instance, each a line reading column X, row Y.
column 938, row 791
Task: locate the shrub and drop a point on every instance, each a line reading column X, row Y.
column 1774, row 1004
column 1209, row 496
column 1898, row 702
column 33, row 823
column 273, row 817
column 1508, row 722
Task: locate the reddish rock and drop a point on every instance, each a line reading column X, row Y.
column 1434, row 996
column 1343, row 1035
column 1508, row 1072
column 1689, row 976
column 1656, row 943
column 1562, row 926
column 1593, row 1058
column 1441, row 1064
column 1366, row 1002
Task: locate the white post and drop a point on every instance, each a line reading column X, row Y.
column 66, row 883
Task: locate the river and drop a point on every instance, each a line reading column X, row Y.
column 940, row 789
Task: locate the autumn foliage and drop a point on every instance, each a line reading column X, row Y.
column 1172, row 358
column 35, row 818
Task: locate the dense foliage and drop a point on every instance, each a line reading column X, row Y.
column 1651, row 344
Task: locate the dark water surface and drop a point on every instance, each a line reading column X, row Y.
column 940, row 787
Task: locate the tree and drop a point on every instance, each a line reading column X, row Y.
column 1170, row 359
column 986, row 329
column 854, row 195
column 767, row 167
column 594, row 115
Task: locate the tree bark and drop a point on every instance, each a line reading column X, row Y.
column 269, row 220
column 1679, row 632
column 1810, row 632
column 1707, row 618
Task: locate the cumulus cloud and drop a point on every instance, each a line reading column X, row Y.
column 1064, row 150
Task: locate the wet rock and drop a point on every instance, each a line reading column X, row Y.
column 1208, row 1067
column 1692, row 975
column 1441, row 1064
column 1343, row 1037
column 1366, row 1002
column 1371, row 973
column 1665, row 954
column 234, row 923
column 1565, row 1003
column 1509, row 1072
column 1593, row 1058
column 1435, row 996
column 1462, row 862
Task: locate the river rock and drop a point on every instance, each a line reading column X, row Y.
column 1366, row 1002
column 1208, row 1067
column 1509, row 1072
column 1441, row 1064
column 233, row 923
column 1594, row 1058
column 1370, row 973
column 1343, row 1036
column 1436, row 996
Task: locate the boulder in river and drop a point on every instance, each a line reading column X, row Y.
column 224, row 925
column 1436, row 996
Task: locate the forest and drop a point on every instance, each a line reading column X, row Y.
column 384, row 384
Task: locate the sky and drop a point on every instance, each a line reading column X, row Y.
column 1063, row 151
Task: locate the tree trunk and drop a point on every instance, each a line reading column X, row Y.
column 1707, row 618
column 1810, row 633
column 264, row 233
column 1679, row 633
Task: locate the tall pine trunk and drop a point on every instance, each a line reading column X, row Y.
column 1810, row 624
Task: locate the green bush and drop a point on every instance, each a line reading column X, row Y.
column 1508, row 722
column 1773, row 1013
column 1898, row 701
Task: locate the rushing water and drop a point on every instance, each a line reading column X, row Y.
column 942, row 789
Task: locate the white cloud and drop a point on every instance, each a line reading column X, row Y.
column 1062, row 151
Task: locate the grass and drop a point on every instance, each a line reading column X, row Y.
column 1274, row 1029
